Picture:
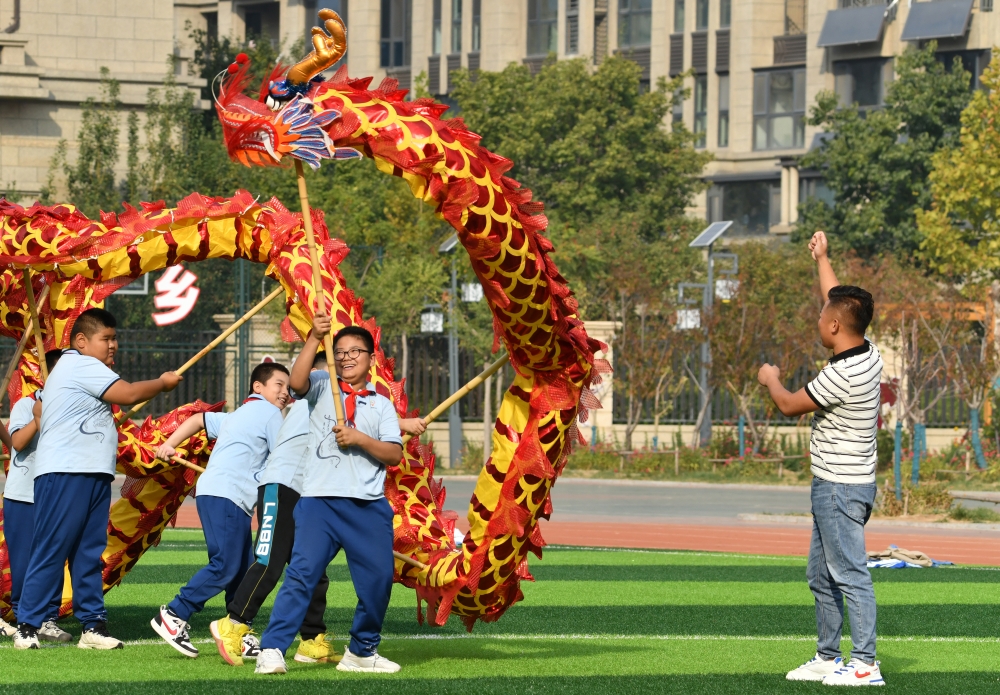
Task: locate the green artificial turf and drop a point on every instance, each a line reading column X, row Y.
column 596, row 621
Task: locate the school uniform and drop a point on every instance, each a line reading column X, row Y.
column 75, row 463
column 19, row 503
column 226, row 494
column 279, row 491
column 343, row 505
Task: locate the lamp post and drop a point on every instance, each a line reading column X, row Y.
column 454, row 416
column 705, row 240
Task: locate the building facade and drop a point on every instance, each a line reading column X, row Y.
column 757, row 65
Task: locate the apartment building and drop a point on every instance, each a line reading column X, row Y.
column 757, row 65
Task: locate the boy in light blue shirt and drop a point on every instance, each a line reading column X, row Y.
column 226, row 494
column 343, row 502
column 74, row 465
column 19, row 505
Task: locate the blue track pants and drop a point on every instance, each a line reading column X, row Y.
column 71, row 523
column 324, row 525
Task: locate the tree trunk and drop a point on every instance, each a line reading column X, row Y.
column 487, row 418
column 406, row 356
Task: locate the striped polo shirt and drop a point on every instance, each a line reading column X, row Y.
column 847, row 391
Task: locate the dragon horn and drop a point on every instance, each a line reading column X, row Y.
column 328, row 48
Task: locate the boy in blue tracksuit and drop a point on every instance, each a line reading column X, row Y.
column 343, row 503
column 74, row 465
column 227, row 492
column 19, row 506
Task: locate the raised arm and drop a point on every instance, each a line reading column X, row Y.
column 125, row 393
column 819, row 247
column 184, row 431
column 298, row 380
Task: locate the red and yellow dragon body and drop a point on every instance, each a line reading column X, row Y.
column 497, row 222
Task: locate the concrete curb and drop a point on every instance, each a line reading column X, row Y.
column 795, row 520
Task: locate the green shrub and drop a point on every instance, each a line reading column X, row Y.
column 977, row 515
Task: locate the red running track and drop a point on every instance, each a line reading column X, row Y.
column 979, row 548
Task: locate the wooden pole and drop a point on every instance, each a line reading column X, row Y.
column 453, row 398
column 36, row 325
column 278, row 291
column 187, row 464
column 21, row 344
column 338, row 403
column 409, row 560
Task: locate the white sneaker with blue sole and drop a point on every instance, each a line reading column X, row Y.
column 856, row 672
column 816, row 669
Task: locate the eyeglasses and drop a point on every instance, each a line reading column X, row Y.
column 353, row 353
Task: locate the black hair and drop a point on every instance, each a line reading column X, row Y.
column 264, row 371
column 91, row 321
column 360, row 333
column 856, row 304
column 51, row 357
column 319, row 361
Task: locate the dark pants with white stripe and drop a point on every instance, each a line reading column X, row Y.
column 71, row 523
column 275, row 536
column 324, row 525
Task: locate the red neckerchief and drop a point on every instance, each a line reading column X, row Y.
column 352, row 396
column 253, row 397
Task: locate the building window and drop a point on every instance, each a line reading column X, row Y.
column 701, row 15
column 572, row 27
column 985, row 5
column 678, row 107
column 974, row 62
column 815, row 188
column 862, row 82
column 395, row 33
column 795, row 17
column 543, row 16
column 779, row 108
column 725, row 13
column 723, row 110
column 747, row 203
column 456, row 26
column 436, row 30
column 678, row 16
column 634, row 23
column 477, row 24
column 700, row 110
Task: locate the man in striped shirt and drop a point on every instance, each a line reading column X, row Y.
column 845, row 400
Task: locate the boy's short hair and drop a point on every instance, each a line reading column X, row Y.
column 91, row 321
column 264, row 371
column 319, row 361
column 51, row 357
column 360, row 333
column 856, row 305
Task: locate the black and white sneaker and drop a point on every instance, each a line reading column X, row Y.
column 26, row 637
column 174, row 631
column 97, row 637
column 6, row 629
column 251, row 646
column 50, row 632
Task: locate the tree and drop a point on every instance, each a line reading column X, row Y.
column 770, row 319
column 589, row 143
column 877, row 161
column 90, row 180
column 962, row 227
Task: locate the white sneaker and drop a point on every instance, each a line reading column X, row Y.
column 271, row 661
column 97, row 637
column 26, row 637
column 366, row 664
column 856, row 672
column 251, row 646
column 6, row 629
column 816, row 669
column 50, row 632
column 174, row 631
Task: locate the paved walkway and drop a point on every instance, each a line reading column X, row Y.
column 677, row 516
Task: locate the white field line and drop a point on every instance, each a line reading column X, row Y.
column 591, row 637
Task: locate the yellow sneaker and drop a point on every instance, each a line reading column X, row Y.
column 316, row 650
column 228, row 637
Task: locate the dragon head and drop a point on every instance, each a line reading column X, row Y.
column 283, row 120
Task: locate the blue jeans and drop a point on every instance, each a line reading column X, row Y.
column 230, row 552
column 838, row 567
column 324, row 525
